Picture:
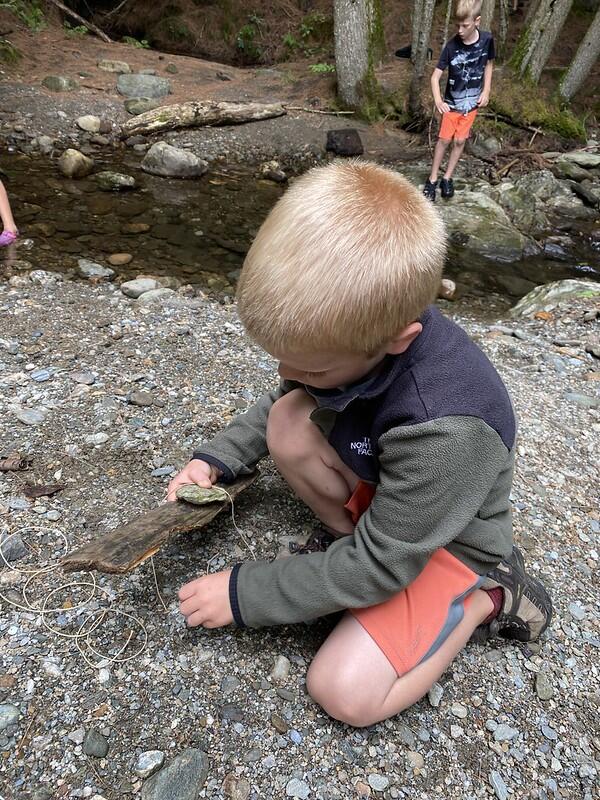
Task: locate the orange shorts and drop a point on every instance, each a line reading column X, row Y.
column 413, row 624
column 456, row 125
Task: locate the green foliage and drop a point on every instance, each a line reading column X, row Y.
column 312, row 36
column 177, row 28
column 320, row 69
column 142, row 44
column 28, row 11
column 9, row 54
column 75, row 30
column 245, row 41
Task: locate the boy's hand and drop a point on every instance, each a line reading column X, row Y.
column 205, row 601
column 198, row 472
column 443, row 108
column 484, row 99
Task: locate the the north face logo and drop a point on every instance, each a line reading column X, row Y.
column 362, row 447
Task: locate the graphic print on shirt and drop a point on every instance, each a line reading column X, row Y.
column 466, row 66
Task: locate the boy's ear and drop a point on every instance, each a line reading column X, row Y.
column 404, row 339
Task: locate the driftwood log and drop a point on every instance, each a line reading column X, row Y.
column 127, row 546
column 196, row 114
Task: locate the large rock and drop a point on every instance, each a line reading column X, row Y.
column 173, row 162
column 565, row 168
column 526, row 213
column 138, row 286
column 541, row 185
column 139, row 105
column 108, row 65
column 74, row 164
column 478, row 224
column 548, row 296
column 181, row 780
column 114, row 181
column 59, row 83
column 583, row 159
column 344, row 142
column 137, row 85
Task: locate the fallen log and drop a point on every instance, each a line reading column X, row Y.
column 126, row 547
column 195, row 114
column 89, row 25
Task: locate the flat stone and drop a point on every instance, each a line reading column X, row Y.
column 95, row 744
column 140, row 398
column 181, row 780
column 85, row 378
column 231, row 712
column 279, row 723
column 9, row 714
column 297, row 788
column 138, row 85
column 543, row 686
column 547, row 296
column 74, row 164
column 281, row 670
column 109, row 65
column 90, row 269
column 235, row 788
column 148, row 762
column 12, row 547
column 173, row 162
column 115, row 181
column 88, row 123
column 59, row 83
column 435, row 694
column 583, row 400
column 378, row 782
column 459, row 710
column 582, row 158
column 155, row 295
column 498, row 785
column 139, row 105
column 30, row 416
column 119, row 259
column 135, row 227
column 138, row 286
column 415, row 759
column 504, row 733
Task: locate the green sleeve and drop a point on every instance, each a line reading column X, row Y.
column 434, row 479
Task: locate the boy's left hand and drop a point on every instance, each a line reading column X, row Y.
column 205, row 601
column 484, row 99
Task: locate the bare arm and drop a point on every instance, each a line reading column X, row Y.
column 484, row 97
column 441, row 106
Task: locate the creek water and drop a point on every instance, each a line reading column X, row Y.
column 200, row 230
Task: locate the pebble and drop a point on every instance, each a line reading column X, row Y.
column 235, row 788
column 498, row 785
column 9, row 714
column 576, row 611
column 251, row 756
column 30, row 416
column 137, row 287
column 229, row 684
column 85, row 378
column 456, row 731
column 459, row 710
column 279, row 723
column 119, row 259
column 53, row 515
column 90, row 269
column 297, row 788
column 12, row 546
column 504, row 733
column 543, row 686
column 415, row 759
column 88, row 123
column 378, row 782
column 77, row 736
column 40, row 375
column 148, row 762
column 435, row 694
column 281, row 670
column 95, row 744
column 140, row 398
column 97, row 438
column 231, row 712
column 182, row 779
column 549, row 732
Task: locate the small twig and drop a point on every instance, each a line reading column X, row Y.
column 156, row 584
column 316, row 111
column 89, row 25
column 25, row 737
column 507, row 168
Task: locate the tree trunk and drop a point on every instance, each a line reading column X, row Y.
column 416, row 27
column 358, row 35
column 537, row 39
column 419, row 50
column 585, row 58
column 447, row 20
column 487, row 14
column 502, row 28
column 559, row 12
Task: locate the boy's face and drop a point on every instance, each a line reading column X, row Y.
column 467, row 27
column 326, row 370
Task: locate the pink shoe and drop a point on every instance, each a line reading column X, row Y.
column 8, row 237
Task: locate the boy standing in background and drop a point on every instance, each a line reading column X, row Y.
column 468, row 56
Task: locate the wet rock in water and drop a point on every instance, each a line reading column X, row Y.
column 9, row 714
column 109, row 65
column 271, row 170
column 114, row 181
column 45, row 144
column 88, row 123
column 138, row 286
column 139, row 105
column 149, row 762
column 140, row 85
column 95, row 744
column 60, row 83
column 12, row 547
column 119, row 259
column 89, row 269
column 135, row 227
column 156, row 295
column 173, row 162
column 74, row 164
column 344, row 142
column 182, row 779
column 549, row 295
column 447, row 289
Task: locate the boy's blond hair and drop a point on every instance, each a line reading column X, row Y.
column 468, row 9
column 349, row 256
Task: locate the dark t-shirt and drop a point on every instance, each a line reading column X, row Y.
column 466, row 64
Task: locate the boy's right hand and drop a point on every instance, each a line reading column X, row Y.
column 197, row 471
column 443, row 108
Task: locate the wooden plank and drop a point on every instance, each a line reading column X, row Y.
column 128, row 546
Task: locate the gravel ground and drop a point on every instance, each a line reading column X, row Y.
column 226, row 711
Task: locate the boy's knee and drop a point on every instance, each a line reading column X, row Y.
column 287, row 417
column 459, row 143
column 338, row 697
column 445, row 142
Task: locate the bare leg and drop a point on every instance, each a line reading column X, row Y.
column 354, row 682
column 455, row 154
column 308, row 462
column 8, row 222
column 438, row 156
